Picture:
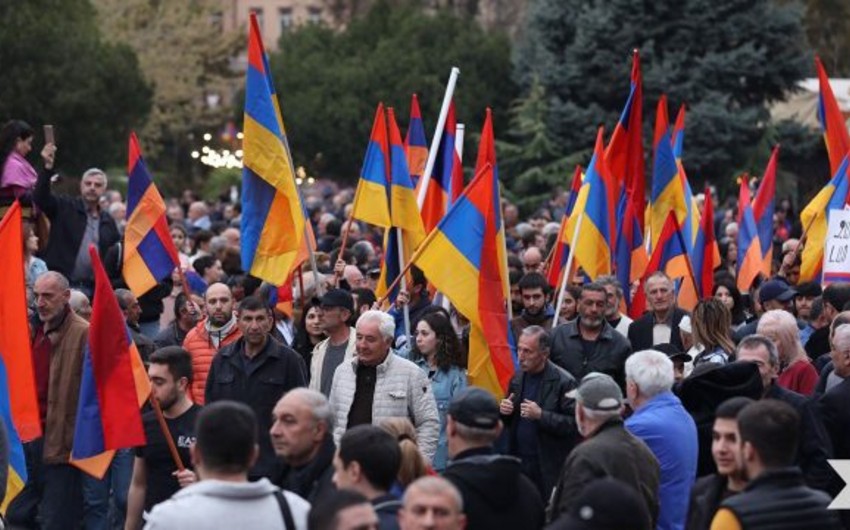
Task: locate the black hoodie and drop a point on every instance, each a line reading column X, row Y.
column 495, row 493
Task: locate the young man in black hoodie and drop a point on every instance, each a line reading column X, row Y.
column 495, row 492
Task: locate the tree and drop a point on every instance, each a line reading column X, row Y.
column 726, row 59
column 330, row 82
column 57, row 69
column 186, row 57
column 530, row 157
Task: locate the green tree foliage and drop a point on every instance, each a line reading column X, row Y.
column 530, row 157
column 186, row 57
column 57, row 69
column 827, row 25
column 727, row 59
column 329, row 83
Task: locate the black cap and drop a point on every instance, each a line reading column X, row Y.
column 475, row 407
column 776, row 290
column 338, row 298
column 606, row 504
column 672, row 351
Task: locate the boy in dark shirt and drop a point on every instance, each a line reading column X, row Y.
column 155, row 475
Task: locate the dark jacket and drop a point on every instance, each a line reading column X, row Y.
column 314, row 479
column 814, row 448
column 610, row 452
column 557, row 433
column 524, row 320
column 275, row 370
column 706, row 496
column 779, row 500
column 835, row 413
column 608, row 354
column 640, row 332
column 495, row 493
column 387, row 507
column 170, row 335
column 67, row 225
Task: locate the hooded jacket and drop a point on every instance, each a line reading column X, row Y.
column 220, row 504
column 495, row 493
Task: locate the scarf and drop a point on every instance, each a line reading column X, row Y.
column 17, row 171
column 217, row 334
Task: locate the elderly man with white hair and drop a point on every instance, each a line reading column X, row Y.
column 665, row 426
column 378, row 384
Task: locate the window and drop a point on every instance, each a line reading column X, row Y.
column 258, row 11
column 285, row 16
column 314, row 15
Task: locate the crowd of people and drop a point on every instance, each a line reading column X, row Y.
column 327, row 412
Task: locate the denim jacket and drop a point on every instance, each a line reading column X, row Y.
column 444, row 384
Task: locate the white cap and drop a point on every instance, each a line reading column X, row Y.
column 685, row 324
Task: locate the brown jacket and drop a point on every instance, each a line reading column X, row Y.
column 66, row 371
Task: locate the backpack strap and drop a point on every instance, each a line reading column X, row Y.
column 285, row 512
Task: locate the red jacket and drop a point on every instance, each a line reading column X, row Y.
column 200, row 346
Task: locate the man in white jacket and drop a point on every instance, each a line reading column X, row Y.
column 378, row 384
column 225, row 450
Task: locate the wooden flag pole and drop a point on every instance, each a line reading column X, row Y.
column 166, row 433
column 403, row 284
column 567, row 269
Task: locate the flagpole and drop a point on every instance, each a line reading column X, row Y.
column 567, row 269
column 403, row 285
column 166, row 433
column 438, row 136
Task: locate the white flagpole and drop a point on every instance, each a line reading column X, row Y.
column 438, row 135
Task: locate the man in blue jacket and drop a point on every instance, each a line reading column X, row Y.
column 666, row 428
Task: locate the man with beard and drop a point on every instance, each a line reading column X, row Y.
column 618, row 320
column 589, row 343
column 155, row 475
column 210, row 335
column 536, row 309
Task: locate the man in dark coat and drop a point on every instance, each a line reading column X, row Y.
column 495, row 492
column 256, row 370
column 589, row 343
column 661, row 323
column 76, row 223
column 537, row 412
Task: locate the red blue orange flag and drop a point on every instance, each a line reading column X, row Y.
column 372, row 197
column 706, row 255
column 749, row 246
column 114, row 383
column 624, row 153
column 597, row 208
column 415, row 142
column 467, row 238
column 835, row 195
column 149, row 253
column 18, row 403
column 437, row 195
column 630, row 258
column 669, row 255
column 832, row 121
column 690, row 224
column 668, row 192
column 764, row 204
column 560, row 254
column 273, row 222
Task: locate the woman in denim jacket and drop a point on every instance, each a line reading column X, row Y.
column 437, row 351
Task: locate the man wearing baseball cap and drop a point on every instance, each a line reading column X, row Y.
column 608, row 450
column 495, row 492
column 337, row 306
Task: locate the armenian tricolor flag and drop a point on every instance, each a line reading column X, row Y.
column 749, row 246
column 764, row 205
column 832, row 121
column 438, row 191
column 815, row 215
column 415, row 143
column 372, row 197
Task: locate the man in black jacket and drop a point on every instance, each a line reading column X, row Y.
column 589, row 343
column 495, row 492
column 661, row 323
column 256, row 370
column 76, row 223
column 537, row 412
column 709, row 491
column 776, row 496
column 814, row 447
column 302, row 437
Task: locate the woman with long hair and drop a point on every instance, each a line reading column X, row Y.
column 436, row 350
column 712, row 326
column 796, row 370
column 309, row 332
column 33, row 266
column 569, row 304
column 413, row 464
column 727, row 292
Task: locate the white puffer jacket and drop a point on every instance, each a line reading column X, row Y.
column 401, row 390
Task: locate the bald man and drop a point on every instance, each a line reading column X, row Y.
column 532, row 260
column 53, row 489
